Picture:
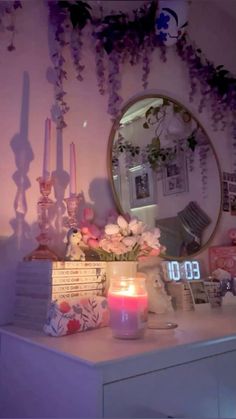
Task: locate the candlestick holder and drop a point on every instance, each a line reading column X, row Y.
column 43, row 206
column 72, row 204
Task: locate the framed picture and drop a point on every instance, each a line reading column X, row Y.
column 199, row 294
column 175, row 179
column 142, row 186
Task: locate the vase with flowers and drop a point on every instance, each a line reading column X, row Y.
column 123, row 244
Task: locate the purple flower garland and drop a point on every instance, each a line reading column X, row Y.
column 118, row 39
column 58, row 20
column 7, row 19
column 217, row 85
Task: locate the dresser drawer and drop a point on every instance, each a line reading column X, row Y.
column 187, row 390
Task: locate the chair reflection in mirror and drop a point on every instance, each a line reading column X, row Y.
column 182, row 235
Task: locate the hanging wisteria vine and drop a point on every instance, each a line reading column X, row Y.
column 118, row 38
column 7, row 20
column 217, row 85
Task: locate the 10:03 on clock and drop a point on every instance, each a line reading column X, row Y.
column 186, row 270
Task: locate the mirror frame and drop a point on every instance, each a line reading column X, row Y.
column 110, row 177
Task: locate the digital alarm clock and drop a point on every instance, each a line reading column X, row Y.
column 186, row 270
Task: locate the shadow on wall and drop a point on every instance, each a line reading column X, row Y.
column 60, row 181
column 13, row 248
column 100, row 194
column 21, row 239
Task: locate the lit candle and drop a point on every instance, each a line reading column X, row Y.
column 128, row 301
column 73, row 188
column 47, row 150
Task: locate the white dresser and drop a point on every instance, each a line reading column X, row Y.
column 185, row 372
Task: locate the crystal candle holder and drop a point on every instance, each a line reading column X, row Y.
column 72, row 204
column 128, row 305
column 43, row 206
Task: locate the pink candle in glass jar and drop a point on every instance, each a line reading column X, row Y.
column 128, row 301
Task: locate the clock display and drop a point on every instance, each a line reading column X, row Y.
column 175, row 271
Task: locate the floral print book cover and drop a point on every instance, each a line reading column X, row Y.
column 76, row 315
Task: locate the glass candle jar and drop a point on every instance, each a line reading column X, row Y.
column 128, row 304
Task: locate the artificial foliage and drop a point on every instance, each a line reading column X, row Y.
column 120, row 37
column 8, row 11
column 215, row 84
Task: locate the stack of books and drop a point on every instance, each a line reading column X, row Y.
column 181, row 295
column 39, row 282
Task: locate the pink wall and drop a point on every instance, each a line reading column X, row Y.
column 32, row 57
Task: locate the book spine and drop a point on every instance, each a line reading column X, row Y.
column 61, row 273
column 87, row 293
column 48, row 289
column 40, row 279
column 49, row 265
column 56, row 296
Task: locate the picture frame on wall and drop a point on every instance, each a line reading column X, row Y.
column 175, row 177
column 142, row 186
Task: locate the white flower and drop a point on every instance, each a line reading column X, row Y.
column 136, row 227
column 151, row 238
column 124, row 226
column 122, row 223
column 130, row 241
column 112, row 229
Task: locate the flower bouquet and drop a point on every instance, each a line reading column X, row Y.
column 126, row 241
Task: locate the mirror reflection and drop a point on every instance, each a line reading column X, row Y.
column 165, row 171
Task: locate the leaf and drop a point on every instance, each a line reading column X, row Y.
column 192, row 142
column 166, row 102
column 149, row 111
column 176, row 108
column 156, row 143
column 222, row 73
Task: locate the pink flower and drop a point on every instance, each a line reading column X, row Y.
column 88, row 214
column 84, row 229
column 93, row 243
column 73, row 326
column 94, row 231
column 64, row 307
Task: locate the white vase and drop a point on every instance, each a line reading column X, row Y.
column 116, row 269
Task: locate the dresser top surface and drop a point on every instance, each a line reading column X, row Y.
column 96, row 347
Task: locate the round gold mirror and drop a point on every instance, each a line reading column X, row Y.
column 164, row 170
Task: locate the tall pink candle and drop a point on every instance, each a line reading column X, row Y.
column 128, row 310
column 73, row 188
column 47, row 151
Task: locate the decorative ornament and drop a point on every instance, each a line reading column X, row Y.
column 172, row 20
column 73, row 250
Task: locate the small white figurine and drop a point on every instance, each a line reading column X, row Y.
column 73, row 250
